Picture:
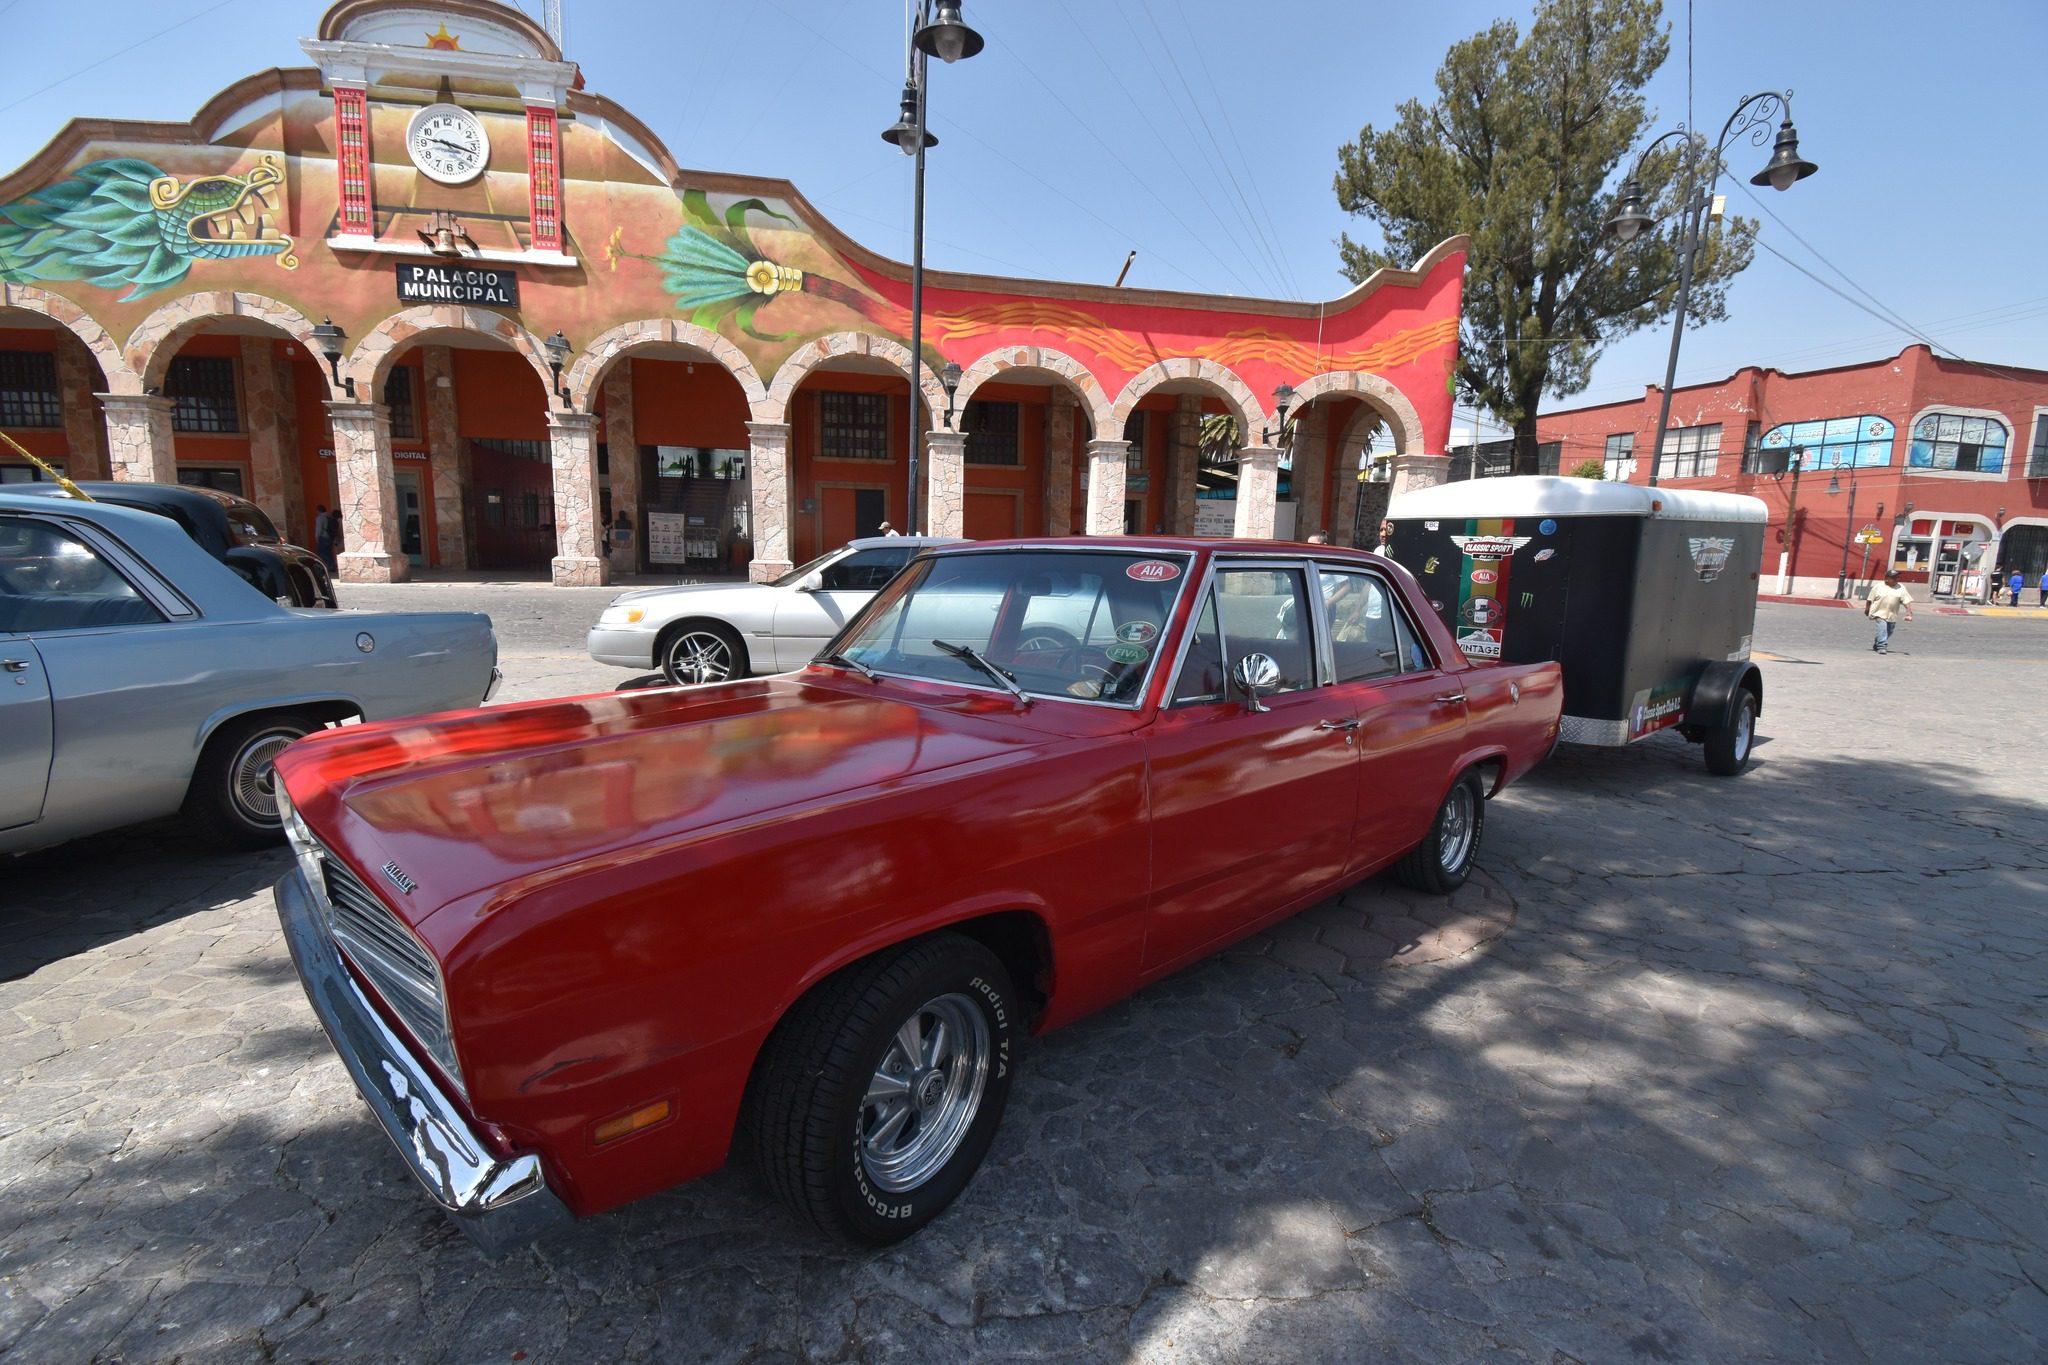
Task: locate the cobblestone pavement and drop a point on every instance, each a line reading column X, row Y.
column 1694, row 1070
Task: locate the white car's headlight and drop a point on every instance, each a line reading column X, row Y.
column 616, row 615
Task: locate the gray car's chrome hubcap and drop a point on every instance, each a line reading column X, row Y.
column 923, row 1097
column 1455, row 843
column 699, row 658
column 255, row 778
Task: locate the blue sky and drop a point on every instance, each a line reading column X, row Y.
column 1204, row 135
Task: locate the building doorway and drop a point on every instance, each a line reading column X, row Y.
column 851, row 512
column 411, row 537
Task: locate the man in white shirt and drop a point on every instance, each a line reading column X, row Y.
column 1888, row 603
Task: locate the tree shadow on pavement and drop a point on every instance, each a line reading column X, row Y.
column 1756, row 1073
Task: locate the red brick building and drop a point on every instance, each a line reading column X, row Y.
column 1942, row 464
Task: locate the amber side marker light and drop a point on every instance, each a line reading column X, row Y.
column 611, row 1130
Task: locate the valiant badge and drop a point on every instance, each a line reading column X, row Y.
column 399, row 879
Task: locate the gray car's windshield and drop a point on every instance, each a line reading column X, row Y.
column 796, row 575
column 1058, row 623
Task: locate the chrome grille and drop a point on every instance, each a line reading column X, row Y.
column 386, row 952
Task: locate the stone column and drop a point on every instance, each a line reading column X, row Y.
column 1344, row 506
column 369, row 497
column 292, row 479
column 1106, row 487
column 263, row 408
column 768, row 483
column 1418, row 471
column 1059, row 464
column 1258, row 486
column 945, row 456
column 1183, row 461
column 447, row 456
column 140, row 447
column 85, row 435
column 622, row 449
column 577, row 562
column 1311, row 469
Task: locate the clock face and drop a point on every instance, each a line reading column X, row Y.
column 448, row 144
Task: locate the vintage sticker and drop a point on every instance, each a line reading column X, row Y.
column 1548, row 527
column 1128, row 654
column 1137, row 632
column 1484, row 576
column 1490, row 548
column 1153, row 571
column 1710, row 555
column 1545, row 553
column 1479, row 644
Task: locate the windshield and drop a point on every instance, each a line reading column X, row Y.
column 1079, row 624
column 796, row 575
column 247, row 524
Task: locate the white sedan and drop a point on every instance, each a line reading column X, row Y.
column 709, row 632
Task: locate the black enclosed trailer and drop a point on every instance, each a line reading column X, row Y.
column 1645, row 596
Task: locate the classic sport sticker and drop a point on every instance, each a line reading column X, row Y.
column 1490, row 548
column 1137, row 632
column 1710, row 555
column 1153, row 571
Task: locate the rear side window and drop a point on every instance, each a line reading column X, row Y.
column 51, row 580
column 866, row 570
column 1365, row 626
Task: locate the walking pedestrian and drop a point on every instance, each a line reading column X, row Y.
column 1888, row 603
column 2041, row 584
column 323, row 536
column 2013, row 586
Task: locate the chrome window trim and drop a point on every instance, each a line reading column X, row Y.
column 1221, row 561
column 135, row 571
column 1395, row 600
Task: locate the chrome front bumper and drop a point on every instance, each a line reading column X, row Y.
column 501, row 1204
column 621, row 647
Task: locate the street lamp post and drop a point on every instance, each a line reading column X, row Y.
column 1785, row 169
column 1834, row 490
column 949, row 39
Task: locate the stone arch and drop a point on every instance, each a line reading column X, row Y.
column 158, row 337
column 588, row 372
column 1402, row 420
column 1213, row 373
column 810, row 356
column 371, row 360
column 1084, row 384
column 120, row 377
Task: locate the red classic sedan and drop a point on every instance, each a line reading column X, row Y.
column 573, row 952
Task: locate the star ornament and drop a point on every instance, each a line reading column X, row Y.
column 444, row 41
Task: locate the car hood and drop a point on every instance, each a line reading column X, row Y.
column 474, row 805
column 647, row 596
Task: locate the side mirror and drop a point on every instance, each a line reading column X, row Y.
column 1256, row 675
column 811, row 582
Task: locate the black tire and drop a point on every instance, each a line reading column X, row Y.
column 701, row 652
column 1728, row 748
column 808, row 1121
column 231, row 800
column 1443, row 860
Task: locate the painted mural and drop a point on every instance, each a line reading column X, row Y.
column 124, row 223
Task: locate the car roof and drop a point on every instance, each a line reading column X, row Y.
column 883, row 542
column 121, row 490
column 1171, row 545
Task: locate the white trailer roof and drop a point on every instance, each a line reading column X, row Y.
column 1532, row 495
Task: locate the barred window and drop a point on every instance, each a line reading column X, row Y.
column 991, row 433
column 202, row 392
column 1621, row 456
column 1957, row 441
column 28, row 390
column 1690, row 452
column 398, row 397
column 1134, row 432
column 853, row 426
column 2037, row 459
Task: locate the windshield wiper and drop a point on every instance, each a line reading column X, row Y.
column 973, row 656
column 853, row 664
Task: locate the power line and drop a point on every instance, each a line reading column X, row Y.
column 121, row 52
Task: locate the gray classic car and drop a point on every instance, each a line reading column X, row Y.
column 709, row 632
column 140, row 677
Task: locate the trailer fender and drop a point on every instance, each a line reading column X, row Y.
column 1715, row 694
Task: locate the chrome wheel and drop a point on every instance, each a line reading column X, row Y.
column 1745, row 731
column 923, row 1096
column 698, row 656
column 1454, row 830
column 252, row 776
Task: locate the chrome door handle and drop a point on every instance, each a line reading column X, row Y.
column 1447, row 698
column 1351, row 724
column 15, row 665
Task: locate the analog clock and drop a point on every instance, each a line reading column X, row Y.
column 448, row 144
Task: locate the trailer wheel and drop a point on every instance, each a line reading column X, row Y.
column 1443, row 860
column 1728, row 747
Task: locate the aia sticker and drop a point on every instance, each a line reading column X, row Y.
column 1153, row 571
column 1484, row 576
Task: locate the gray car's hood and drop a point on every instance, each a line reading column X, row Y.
column 689, row 589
